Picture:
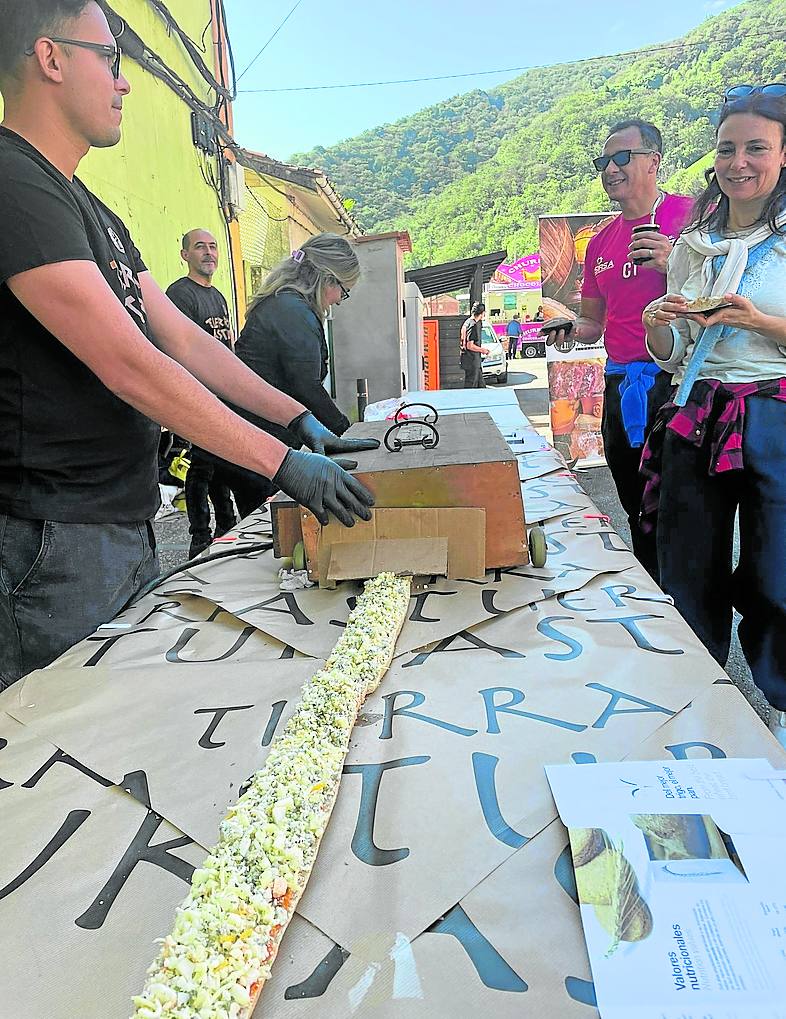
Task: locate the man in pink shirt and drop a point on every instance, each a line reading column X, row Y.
column 623, row 272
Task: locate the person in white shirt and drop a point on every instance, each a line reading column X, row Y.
column 719, row 447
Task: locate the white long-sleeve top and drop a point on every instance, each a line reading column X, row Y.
column 741, row 355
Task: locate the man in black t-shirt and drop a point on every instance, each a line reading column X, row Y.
column 205, row 305
column 195, row 294
column 94, row 357
column 472, row 350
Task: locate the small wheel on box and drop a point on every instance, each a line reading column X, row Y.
column 538, row 549
column 299, row 556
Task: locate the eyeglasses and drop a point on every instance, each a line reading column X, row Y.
column 773, row 88
column 621, row 158
column 344, row 291
column 113, row 53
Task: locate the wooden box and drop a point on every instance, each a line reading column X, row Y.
column 472, row 467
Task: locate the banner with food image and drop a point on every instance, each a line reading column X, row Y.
column 678, row 876
column 575, row 375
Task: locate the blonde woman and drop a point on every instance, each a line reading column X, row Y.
column 283, row 341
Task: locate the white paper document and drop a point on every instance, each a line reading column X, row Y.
column 681, row 881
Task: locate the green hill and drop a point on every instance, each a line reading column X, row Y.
column 472, row 174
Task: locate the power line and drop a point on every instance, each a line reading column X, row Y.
column 503, row 70
column 272, row 37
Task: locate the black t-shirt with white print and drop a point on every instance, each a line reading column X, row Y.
column 70, row 450
column 204, row 305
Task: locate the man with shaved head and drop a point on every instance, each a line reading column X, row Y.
column 94, row 358
column 205, row 305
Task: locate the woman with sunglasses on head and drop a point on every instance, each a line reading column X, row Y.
column 719, row 446
column 283, row 341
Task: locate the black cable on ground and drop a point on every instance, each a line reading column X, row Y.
column 262, row 546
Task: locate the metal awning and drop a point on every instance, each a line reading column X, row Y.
column 465, row 273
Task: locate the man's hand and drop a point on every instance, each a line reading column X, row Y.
column 565, row 339
column 323, row 487
column 312, row 433
column 484, row 351
column 653, row 247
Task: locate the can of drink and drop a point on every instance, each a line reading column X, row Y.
column 643, row 228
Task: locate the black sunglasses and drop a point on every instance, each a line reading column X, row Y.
column 110, row 52
column 773, row 88
column 621, row 158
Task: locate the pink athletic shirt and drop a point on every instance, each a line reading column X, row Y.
column 627, row 288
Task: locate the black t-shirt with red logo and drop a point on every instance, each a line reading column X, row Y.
column 70, row 450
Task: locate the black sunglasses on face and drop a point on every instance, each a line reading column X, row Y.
column 621, row 158
column 773, row 88
column 110, row 52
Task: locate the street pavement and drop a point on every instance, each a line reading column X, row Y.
column 527, row 376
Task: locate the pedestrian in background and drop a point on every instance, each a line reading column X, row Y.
column 513, row 333
column 472, row 352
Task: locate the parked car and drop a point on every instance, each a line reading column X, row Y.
column 533, row 348
column 495, row 365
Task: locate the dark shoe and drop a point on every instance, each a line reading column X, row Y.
column 198, row 545
column 224, row 526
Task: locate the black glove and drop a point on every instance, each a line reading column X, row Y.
column 312, row 433
column 322, row 486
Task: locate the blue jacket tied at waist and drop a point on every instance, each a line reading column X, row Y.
column 638, row 380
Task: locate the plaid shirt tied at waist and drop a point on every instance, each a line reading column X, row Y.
column 714, row 408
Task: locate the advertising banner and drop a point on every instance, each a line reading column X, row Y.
column 514, row 289
column 523, row 274
column 576, row 374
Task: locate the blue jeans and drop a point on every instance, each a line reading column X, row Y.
column 59, row 582
column 695, row 543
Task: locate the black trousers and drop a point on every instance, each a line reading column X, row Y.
column 249, row 489
column 205, row 479
column 473, row 370
column 624, row 462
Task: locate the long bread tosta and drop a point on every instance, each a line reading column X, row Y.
column 229, row 928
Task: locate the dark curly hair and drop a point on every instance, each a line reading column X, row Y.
column 711, row 211
column 21, row 23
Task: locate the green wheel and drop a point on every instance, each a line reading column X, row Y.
column 538, row 549
column 299, row 556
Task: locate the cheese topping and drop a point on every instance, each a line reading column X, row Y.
column 226, row 932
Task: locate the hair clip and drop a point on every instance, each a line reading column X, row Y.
column 298, row 255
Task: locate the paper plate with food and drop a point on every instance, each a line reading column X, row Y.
column 708, row 306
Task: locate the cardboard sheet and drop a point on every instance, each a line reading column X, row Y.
column 197, row 732
column 310, row 620
column 88, row 879
column 360, row 559
column 464, row 529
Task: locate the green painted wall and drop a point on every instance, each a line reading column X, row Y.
column 152, row 179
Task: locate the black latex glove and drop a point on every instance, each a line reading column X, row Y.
column 312, row 433
column 322, row 486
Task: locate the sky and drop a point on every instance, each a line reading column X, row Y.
column 351, row 41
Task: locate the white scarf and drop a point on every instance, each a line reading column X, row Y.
column 736, row 250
